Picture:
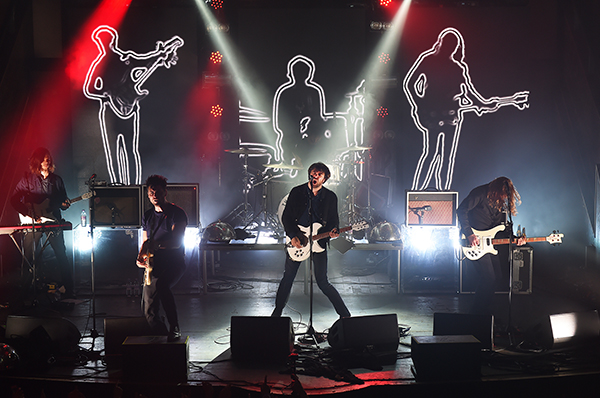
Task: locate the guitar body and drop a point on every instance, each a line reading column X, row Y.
column 44, row 210
column 304, row 252
column 485, row 243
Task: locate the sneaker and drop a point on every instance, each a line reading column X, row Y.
column 174, row 334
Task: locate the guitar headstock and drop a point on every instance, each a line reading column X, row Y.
column 555, row 238
column 86, row 195
column 359, row 226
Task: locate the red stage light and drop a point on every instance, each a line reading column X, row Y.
column 216, row 111
column 384, row 58
column 382, row 112
column 216, row 57
column 385, row 3
column 216, row 4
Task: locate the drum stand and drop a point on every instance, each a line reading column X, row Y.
column 265, row 220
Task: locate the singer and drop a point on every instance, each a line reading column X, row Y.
column 307, row 204
column 486, row 207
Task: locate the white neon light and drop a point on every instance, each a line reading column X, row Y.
column 420, row 89
column 121, row 91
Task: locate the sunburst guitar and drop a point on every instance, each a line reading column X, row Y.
column 487, row 242
column 301, row 254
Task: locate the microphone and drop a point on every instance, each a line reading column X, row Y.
column 422, row 208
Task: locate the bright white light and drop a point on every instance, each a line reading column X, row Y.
column 191, row 239
column 83, row 239
column 420, row 238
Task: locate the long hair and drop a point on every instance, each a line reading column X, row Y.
column 502, row 195
column 36, row 159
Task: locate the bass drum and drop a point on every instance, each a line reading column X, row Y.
column 281, row 208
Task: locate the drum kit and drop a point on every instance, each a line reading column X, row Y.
column 342, row 173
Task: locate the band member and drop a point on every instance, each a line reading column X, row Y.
column 309, row 203
column 39, row 197
column 486, row 207
column 162, row 255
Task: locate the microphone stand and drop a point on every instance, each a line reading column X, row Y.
column 509, row 329
column 310, row 331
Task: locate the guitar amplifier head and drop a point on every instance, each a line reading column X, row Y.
column 424, row 208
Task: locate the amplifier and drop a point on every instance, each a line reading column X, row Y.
column 424, row 208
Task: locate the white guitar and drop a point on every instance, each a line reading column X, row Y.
column 304, row 252
column 487, row 242
column 43, row 210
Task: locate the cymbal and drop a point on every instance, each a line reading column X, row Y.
column 355, row 148
column 247, row 151
column 282, row 166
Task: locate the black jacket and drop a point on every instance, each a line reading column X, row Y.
column 475, row 212
column 298, row 202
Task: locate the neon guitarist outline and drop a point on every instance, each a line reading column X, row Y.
column 115, row 79
column 439, row 89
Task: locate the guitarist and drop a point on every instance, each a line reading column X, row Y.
column 323, row 202
column 162, row 248
column 486, row 207
column 37, row 185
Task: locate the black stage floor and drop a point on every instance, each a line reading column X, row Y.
column 244, row 284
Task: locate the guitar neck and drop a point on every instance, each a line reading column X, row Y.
column 326, row 234
column 505, row 241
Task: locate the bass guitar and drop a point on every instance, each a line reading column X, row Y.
column 487, row 242
column 44, row 210
column 303, row 253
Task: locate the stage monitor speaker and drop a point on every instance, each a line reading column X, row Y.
column 117, row 206
column 377, row 331
column 261, row 339
column 425, row 208
column 153, row 358
column 480, row 326
column 568, row 329
column 186, row 196
column 438, row 358
column 63, row 334
column 116, row 330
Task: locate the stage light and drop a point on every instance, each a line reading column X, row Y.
column 382, row 112
column 216, row 57
column 191, row 239
column 83, row 239
column 216, row 4
column 384, row 58
column 376, row 25
column 216, row 111
column 385, row 3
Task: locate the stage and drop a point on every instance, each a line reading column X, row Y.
column 244, row 284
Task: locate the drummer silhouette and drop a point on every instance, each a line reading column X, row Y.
column 115, row 80
column 440, row 92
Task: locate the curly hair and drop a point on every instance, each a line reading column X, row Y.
column 156, row 180
column 36, row 159
column 502, row 195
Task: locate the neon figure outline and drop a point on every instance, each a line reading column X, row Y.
column 467, row 99
column 122, row 92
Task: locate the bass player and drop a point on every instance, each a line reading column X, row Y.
column 486, row 207
column 307, row 204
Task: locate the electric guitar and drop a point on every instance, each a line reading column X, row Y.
column 487, row 242
column 43, row 210
column 303, row 253
column 147, row 255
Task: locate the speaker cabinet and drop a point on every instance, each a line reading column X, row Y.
column 480, row 326
column 153, row 358
column 431, row 208
column 116, row 330
column 377, row 331
column 61, row 333
column 117, row 206
column 185, row 196
column 446, row 357
column 261, row 339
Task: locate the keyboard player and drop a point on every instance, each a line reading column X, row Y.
column 41, row 195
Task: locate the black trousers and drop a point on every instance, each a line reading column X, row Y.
column 320, row 271
column 488, row 270
column 167, row 270
column 56, row 239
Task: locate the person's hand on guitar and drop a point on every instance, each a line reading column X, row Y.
column 299, row 241
column 473, row 240
column 334, row 233
column 144, row 254
column 65, row 205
